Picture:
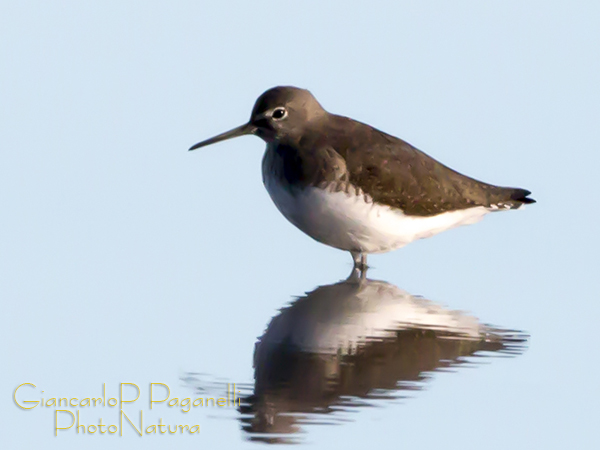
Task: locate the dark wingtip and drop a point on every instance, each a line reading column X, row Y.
column 521, row 195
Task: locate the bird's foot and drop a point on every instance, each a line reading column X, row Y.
column 359, row 271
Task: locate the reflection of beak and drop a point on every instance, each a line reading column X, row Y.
column 239, row 131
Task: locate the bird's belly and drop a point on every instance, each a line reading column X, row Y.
column 355, row 223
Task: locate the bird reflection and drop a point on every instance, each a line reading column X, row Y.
column 352, row 344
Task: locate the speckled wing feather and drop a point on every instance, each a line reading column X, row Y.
column 395, row 173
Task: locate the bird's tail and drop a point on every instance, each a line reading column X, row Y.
column 512, row 198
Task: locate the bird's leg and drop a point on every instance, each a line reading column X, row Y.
column 360, row 263
column 357, row 276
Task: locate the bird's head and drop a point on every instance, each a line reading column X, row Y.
column 281, row 112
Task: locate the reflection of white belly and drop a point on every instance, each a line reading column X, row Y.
column 342, row 317
column 353, row 222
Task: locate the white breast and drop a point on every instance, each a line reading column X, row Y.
column 355, row 223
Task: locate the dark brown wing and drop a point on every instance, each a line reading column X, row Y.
column 393, row 172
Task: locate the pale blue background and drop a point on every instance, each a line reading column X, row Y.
column 126, row 258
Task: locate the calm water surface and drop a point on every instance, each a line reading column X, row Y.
column 124, row 258
column 351, row 345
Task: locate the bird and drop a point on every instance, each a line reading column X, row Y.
column 355, row 188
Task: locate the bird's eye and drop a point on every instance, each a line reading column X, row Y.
column 279, row 113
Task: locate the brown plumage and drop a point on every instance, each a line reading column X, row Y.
column 392, row 171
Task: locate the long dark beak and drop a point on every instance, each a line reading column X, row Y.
column 239, row 131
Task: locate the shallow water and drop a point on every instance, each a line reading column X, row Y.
column 347, row 346
column 129, row 265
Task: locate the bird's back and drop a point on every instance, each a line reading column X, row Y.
column 395, row 173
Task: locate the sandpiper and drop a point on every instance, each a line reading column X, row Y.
column 356, row 188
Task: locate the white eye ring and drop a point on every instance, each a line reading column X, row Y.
column 279, row 113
